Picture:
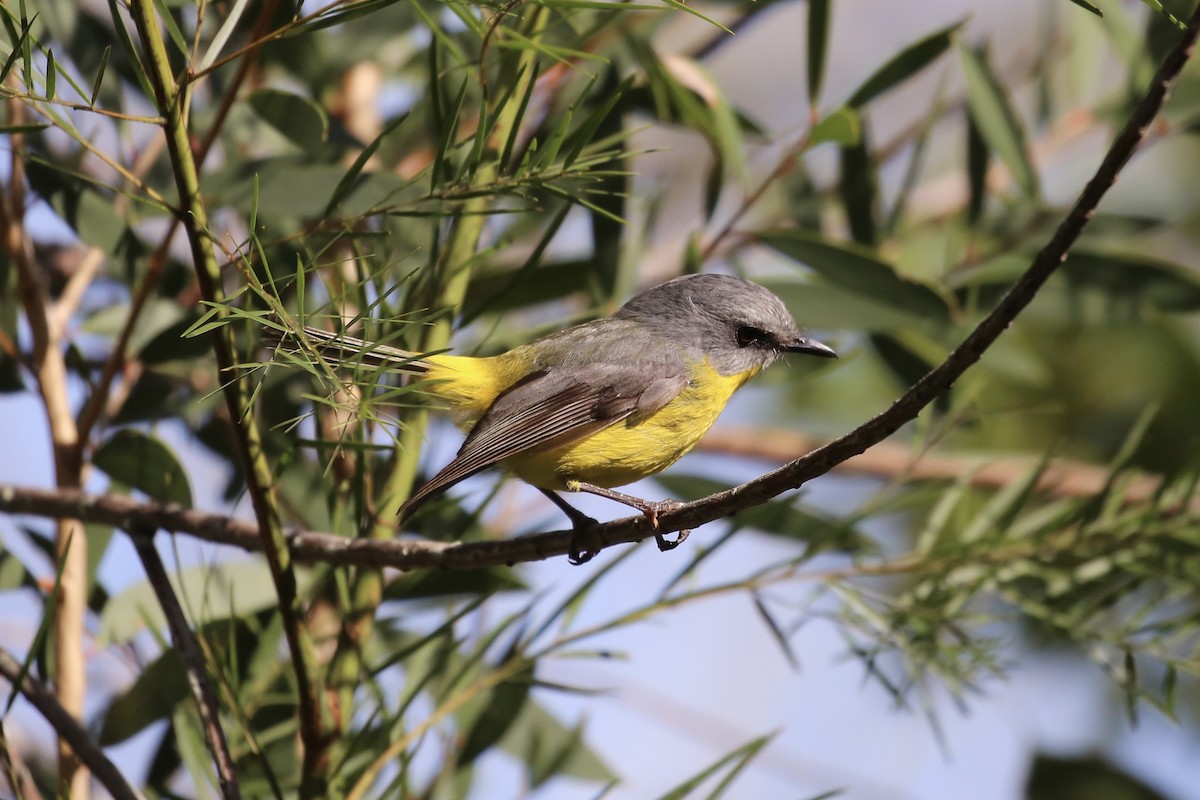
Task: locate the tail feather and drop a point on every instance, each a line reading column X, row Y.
column 343, row 349
column 451, row 474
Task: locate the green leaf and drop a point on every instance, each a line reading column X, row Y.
column 451, row 583
column 14, row 574
column 143, row 462
column 1136, row 279
column 997, row 122
column 818, row 42
column 171, row 345
column 350, row 179
column 99, row 80
column 978, row 158
column 739, row 758
column 1004, row 506
column 51, row 74
column 823, row 306
column 233, row 589
column 548, row 748
column 299, row 119
column 841, row 126
column 904, row 65
column 504, row 704
column 858, row 270
column 777, row 632
column 1089, row 7
column 1158, row 6
column 859, row 191
column 153, row 696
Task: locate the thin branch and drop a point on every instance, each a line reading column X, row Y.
column 69, row 730
column 77, row 286
column 33, row 99
column 193, row 662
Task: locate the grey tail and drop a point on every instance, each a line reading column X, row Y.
column 344, row 350
column 457, row 470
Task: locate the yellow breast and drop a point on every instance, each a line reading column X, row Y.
column 637, row 447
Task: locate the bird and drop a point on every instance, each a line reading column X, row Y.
column 600, row 404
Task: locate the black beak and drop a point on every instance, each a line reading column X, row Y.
column 809, row 347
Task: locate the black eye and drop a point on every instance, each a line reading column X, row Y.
column 749, row 335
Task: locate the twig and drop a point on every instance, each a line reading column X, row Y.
column 16, row 771
column 193, row 662
column 69, row 730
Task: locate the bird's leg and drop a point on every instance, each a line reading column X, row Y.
column 580, row 522
column 650, row 508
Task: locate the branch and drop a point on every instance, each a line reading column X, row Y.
column 68, row 730
column 942, row 377
column 193, row 662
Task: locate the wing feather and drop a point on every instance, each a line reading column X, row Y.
column 551, row 409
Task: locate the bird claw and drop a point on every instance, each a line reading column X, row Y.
column 665, row 544
column 577, row 554
column 652, row 510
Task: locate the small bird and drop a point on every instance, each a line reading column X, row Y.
column 604, row 403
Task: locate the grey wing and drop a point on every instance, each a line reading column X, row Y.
column 553, row 408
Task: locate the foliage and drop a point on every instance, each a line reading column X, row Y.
column 413, row 171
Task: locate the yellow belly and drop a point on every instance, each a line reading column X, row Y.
column 637, row 447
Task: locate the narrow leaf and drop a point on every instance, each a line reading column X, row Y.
column 51, row 75
column 348, row 181
column 904, row 65
column 100, row 74
column 298, row 118
column 1089, row 7
column 997, row 122
column 859, row 191
column 818, row 41
column 739, row 758
column 776, row 631
column 856, row 269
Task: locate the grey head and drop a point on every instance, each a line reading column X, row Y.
column 737, row 324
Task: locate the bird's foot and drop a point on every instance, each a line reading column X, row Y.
column 651, row 510
column 581, row 524
column 578, row 554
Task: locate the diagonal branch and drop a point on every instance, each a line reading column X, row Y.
column 941, row 378
column 193, row 662
column 68, row 729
